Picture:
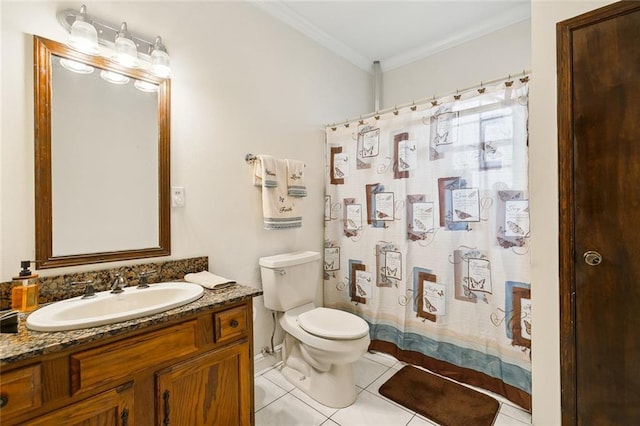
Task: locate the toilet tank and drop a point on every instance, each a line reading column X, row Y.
column 290, row 279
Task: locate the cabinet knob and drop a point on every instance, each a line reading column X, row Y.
column 4, row 400
column 234, row 323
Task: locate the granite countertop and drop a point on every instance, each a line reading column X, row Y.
column 28, row 344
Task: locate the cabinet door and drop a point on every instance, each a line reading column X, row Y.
column 20, row 391
column 212, row 389
column 111, row 408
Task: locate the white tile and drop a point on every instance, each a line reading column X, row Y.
column 266, row 392
column 275, row 375
column 398, row 365
column 289, row 411
column 504, row 420
column 420, row 421
column 374, row 387
column 370, row 409
column 515, row 412
column 327, row 411
column 366, row 371
column 257, row 372
column 382, row 358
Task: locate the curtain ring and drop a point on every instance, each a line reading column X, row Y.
column 396, row 112
column 481, row 89
column 414, row 107
column 377, row 116
column 334, row 128
column 509, row 82
column 457, row 96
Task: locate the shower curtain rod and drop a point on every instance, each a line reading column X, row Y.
column 524, row 77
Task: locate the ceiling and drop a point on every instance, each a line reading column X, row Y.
column 395, row 32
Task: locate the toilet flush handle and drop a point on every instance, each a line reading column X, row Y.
column 281, row 271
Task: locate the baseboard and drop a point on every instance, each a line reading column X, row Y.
column 264, row 361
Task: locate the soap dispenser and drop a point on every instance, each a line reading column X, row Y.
column 24, row 296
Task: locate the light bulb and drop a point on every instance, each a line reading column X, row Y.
column 126, row 50
column 160, row 60
column 84, row 36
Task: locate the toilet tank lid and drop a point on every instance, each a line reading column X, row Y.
column 289, row 259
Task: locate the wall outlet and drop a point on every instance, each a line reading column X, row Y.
column 177, row 196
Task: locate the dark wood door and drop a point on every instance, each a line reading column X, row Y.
column 599, row 153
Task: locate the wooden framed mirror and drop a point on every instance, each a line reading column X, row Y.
column 101, row 159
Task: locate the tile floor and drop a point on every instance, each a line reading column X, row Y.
column 279, row 403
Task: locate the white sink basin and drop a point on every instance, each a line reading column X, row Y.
column 107, row 308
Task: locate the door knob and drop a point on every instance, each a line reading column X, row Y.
column 592, row 258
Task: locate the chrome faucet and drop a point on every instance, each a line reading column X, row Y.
column 144, row 281
column 89, row 291
column 118, row 284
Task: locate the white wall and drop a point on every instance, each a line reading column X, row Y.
column 543, row 180
column 486, row 58
column 243, row 83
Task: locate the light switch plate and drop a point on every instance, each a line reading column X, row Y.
column 177, row 196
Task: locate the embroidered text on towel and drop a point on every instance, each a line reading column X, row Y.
column 295, row 178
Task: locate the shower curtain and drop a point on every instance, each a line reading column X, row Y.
column 427, row 234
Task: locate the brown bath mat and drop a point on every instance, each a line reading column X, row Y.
column 440, row 400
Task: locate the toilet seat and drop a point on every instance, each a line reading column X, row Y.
column 333, row 324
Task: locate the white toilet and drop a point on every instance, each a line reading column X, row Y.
column 320, row 344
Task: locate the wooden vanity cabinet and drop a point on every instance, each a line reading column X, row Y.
column 197, row 370
column 208, row 390
column 113, row 407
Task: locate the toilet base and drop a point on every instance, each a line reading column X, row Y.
column 335, row 388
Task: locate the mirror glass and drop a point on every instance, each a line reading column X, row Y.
column 102, row 159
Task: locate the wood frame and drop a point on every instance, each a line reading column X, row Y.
column 42, row 51
column 564, row 34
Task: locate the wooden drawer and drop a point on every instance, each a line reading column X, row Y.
column 230, row 324
column 95, row 367
column 20, row 391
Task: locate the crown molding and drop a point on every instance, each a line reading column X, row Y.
column 510, row 17
column 282, row 12
column 285, row 14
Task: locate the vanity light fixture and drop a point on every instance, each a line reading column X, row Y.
column 129, row 48
column 160, row 59
column 84, row 36
column 126, row 51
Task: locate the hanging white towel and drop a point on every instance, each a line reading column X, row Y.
column 279, row 210
column 264, row 171
column 295, row 178
column 208, row 280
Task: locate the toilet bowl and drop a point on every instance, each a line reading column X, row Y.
column 320, row 344
column 320, row 362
